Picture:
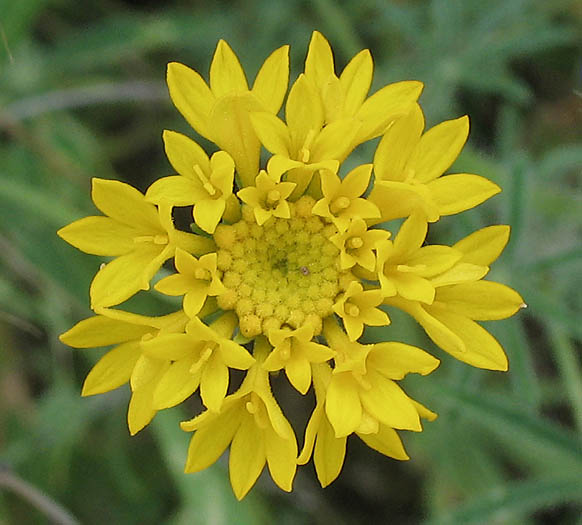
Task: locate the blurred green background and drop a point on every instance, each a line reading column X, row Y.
column 82, row 94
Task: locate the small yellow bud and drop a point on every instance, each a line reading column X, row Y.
column 250, row 325
column 227, row 300
column 304, row 205
column 231, row 279
column 296, row 318
column 314, row 322
column 271, row 323
column 244, row 307
column 225, row 236
column 281, row 312
column 223, row 260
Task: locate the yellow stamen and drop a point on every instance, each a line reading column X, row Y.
column 206, row 184
column 352, row 310
column 201, row 273
column 355, row 242
column 273, row 197
column 304, row 152
column 339, row 204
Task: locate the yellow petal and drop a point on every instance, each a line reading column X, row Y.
column 210, row 441
column 195, row 298
column 411, row 235
column 176, row 385
column 298, row 371
column 398, row 199
column 319, row 60
column 342, row 404
column 434, row 258
column 183, row 154
column 356, row 182
column 388, row 403
column 233, row 132
column 329, row 454
column 390, row 102
column 170, row 346
column 125, row 204
column 386, row 441
column 214, row 383
column 424, row 412
column 222, row 176
column 395, row 360
column 100, row 236
column 480, row 300
column 272, row 133
column 196, row 244
column 112, row 370
column 311, row 434
column 102, row 331
column 413, row 287
column 140, row 411
column 303, row 112
column 438, row 148
column 175, row 284
column 176, row 190
column 482, row 349
column 281, row 458
column 272, row 80
column 460, row 273
column 335, row 141
column 441, row 334
column 460, row 192
column 235, row 355
column 397, row 145
column 191, row 96
column 145, row 371
column 226, row 73
column 208, row 212
column 126, row 275
column 247, row 457
column 485, row 245
column 355, row 81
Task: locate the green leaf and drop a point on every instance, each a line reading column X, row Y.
column 528, row 435
column 514, row 500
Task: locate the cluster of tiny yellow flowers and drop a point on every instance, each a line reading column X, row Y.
column 283, row 268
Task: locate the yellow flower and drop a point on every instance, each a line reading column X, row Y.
column 357, row 245
column 363, row 382
column 289, row 273
column 342, row 198
column 357, row 307
column 206, row 183
column 405, row 266
column 196, row 280
column 125, row 362
column 294, row 351
column 252, row 423
column 201, row 356
column 220, row 112
column 140, row 235
column 461, row 298
column 344, row 98
column 329, row 450
column 408, row 166
column 268, row 198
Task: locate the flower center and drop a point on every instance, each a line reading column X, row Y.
column 283, row 273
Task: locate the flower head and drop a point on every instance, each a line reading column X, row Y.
column 287, row 273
